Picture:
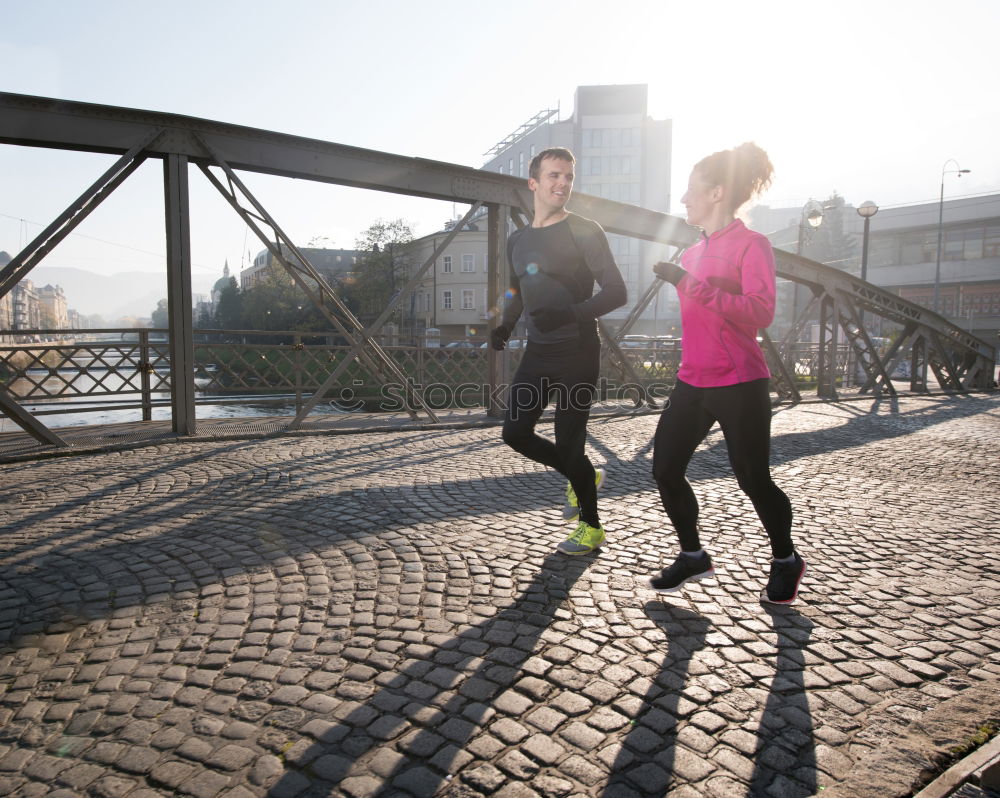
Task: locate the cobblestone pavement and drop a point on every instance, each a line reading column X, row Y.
column 383, row 614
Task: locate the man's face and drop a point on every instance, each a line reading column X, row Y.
column 554, row 184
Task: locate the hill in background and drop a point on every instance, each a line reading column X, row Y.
column 122, row 295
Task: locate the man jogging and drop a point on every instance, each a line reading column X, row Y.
column 554, row 264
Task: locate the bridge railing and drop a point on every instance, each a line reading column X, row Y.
column 94, row 371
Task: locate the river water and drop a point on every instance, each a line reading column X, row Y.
column 105, row 412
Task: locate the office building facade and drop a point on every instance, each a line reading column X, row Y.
column 902, row 252
column 622, row 155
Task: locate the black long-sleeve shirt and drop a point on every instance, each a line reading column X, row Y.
column 556, row 267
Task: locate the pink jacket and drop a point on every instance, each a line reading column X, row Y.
column 725, row 298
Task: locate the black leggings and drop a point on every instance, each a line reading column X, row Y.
column 567, row 372
column 744, row 413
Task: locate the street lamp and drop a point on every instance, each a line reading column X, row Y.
column 812, row 216
column 937, row 266
column 866, row 210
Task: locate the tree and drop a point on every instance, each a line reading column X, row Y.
column 277, row 303
column 229, row 313
column 383, row 269
column 160, row 318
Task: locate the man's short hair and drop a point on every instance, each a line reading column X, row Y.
column 535, row 167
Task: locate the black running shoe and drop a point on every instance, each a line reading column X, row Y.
column 685, row 569
column 783, row 584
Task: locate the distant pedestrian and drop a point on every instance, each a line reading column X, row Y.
column 555, row 262
column 726, row 289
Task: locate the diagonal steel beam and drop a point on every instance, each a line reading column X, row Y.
column 648, row 296
column 77, row 211
column 784, row 384
column 375, row 326
column 942, row 365
column 876, row 377
column 380, row 364
column 317, row 293
column 28, row 422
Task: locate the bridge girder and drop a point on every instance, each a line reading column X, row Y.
column 959, row 360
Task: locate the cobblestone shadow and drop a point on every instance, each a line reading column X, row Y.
column 648, row 753
column 785, row 755
column 438, row 703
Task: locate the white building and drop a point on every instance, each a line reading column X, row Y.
column 331, row 263
column 54, row 312
column 452, row 296
column 6, row 305
column 623, row 155
column 902, row 252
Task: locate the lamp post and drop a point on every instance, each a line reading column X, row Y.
column 866, row 210
column 937, row 266
column 812, row 214
column 812, row 217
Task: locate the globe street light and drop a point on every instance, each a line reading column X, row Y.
column 866, row 210
column 812, row 216
column 937, row 266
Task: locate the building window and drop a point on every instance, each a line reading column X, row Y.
column 991, row 243
column 468, row 299
column 953, row 244
column 531, row 151
column 918, row 247
column 446, row 264
column 520, row 164
column 510, row 165
column 593, row 137
column 973, row 244
column 446, row 300
column 884, row 251
column 468, row 263
column 501, row 168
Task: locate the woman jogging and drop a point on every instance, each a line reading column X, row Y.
column 726, row 289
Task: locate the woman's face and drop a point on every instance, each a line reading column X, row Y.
column 700, row 199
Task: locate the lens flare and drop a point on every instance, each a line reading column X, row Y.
column 532, row 268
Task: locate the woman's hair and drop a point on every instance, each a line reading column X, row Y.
column 743, row 172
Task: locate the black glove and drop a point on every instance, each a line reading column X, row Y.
column 549, row 319
column 499, row 336
column 670, row 272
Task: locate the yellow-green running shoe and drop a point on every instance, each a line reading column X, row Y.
column 572, row 507
column 585, row 539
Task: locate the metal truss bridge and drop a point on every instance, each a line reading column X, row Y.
column 843, row 304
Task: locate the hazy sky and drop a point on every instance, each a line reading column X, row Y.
column 867, row 99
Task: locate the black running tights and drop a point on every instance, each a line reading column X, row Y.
column 566, row 373
column 744, row 414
